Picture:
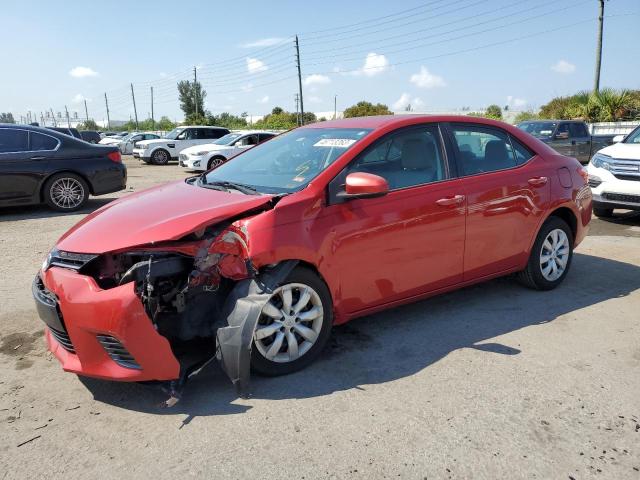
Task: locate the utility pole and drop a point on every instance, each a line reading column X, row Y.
column 299, row 81
column 335, row 106
column 67, row 114
column 53, row 117
column 106, row 103
column 596, row 83
column 297, row 101
column 195, row 91
column 86, row 112
column 153, row 122
column 44, row 124
column 135, row 110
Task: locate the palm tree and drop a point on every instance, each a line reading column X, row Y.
column 613, row 105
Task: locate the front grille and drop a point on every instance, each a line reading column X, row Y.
column 620, row 197
column 182, row 156
column 117, row 352
column 73, row 261
column 63, row 339
column 629, row 169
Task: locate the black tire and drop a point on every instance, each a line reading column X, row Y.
column 74, row 183
column 215, row 162
column 532, row 276
column 260, row 364
column 160, row 157
column 603, row 212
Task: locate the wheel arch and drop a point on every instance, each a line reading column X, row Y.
column 74, row 172
column 213, row 157
column 568, row 216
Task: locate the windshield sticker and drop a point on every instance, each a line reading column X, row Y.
column 545, row 132
column 335, row 142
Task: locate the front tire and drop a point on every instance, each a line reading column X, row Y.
column 550, row 256
column 66, row 192
column 215, row 162
column 160, row 157
column 294, row 326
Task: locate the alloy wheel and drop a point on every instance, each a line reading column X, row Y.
column 289, row 324
column 67, row 193
column 554, row 254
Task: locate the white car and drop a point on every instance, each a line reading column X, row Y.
column 126, row 144
column 210, row 155
column 614, row 176
column 160, row 151
column 113, row 139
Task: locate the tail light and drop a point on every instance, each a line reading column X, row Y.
column 115, row 157
column 582, row 171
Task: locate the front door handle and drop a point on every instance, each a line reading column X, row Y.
column 40, row 157
column 538, row 181
column 448, row 201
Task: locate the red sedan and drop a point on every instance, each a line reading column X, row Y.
column 254, row 261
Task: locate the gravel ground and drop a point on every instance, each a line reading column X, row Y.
column 493, row 381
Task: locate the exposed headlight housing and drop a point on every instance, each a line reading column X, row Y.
column 601, row 160
column 199, row 154
column 196, row 163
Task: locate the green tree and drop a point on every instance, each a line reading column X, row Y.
column 365, row 109
column 524, row 116
column 493, row 111
column 227, row 120
column 7, row 118
column 165, row 124
column 277, row 111
column 87, row 125
column 192, row 95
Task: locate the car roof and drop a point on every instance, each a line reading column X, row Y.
column 393, row 121
column 202, row 126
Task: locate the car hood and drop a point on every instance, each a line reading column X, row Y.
column 157, row 141
column 109, row 141
column 208, row 147
column 626, row 151
column 165, row 212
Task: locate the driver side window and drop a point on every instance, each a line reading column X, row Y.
column 405, row 159
column 186, row 135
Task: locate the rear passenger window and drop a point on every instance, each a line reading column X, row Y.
column 523, row 154
column 212, row 133
column 483, row 149
column 13, row 140
column 578, row 130
column 406, row 159
column 42, row 142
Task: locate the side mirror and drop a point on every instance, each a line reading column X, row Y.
column 618, row 138
column 364, row 185
column 562, row 135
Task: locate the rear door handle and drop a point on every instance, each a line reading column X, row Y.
column 538, row 181
column 37, row 158
column 448, row 201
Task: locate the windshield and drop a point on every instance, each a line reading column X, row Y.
column 126, row 138
column 288, row 162
column 173, row 133
column 228, row 139
column 633, row 137
column 538, row 129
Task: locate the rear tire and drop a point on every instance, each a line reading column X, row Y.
column 66, row 192
column 603, row 212
column 287, row 328
column 160, row 157
column 550, row 256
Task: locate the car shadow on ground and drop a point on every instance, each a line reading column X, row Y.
column 31, row 212
column 398, row 343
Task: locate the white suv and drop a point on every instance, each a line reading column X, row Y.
column 614, row 176
column 205, row 157
column 160, row 151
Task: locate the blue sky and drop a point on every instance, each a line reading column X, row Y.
column 434, row 54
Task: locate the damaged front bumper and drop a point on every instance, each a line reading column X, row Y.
column 138, row 323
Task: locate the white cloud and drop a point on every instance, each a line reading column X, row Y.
column 79, row 98
column 564, row 67
column 516, row 102
column 374, row 64
column 406, row 100
column 314, row 99
column 162, row 74
column 316, row 79
column 247, row 88
column 264, row 99
column 254, row 65
column 263, row 42
column 81, row 72
column 425, row 79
